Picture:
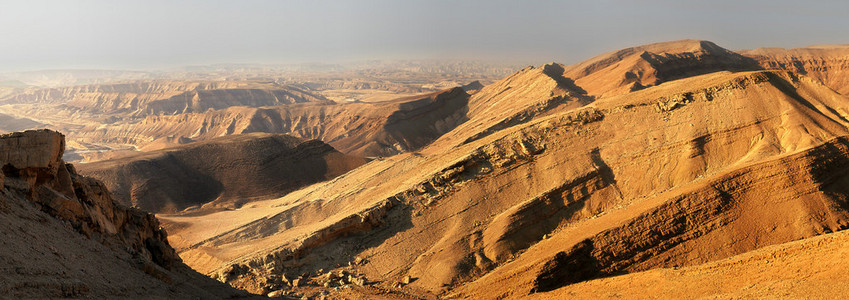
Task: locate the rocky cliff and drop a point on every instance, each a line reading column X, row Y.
column 64, row 236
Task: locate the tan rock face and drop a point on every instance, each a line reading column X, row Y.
column 32, row 149
column 32, row 160
column 66, row 237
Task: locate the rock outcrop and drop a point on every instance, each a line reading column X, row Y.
column 53, row 216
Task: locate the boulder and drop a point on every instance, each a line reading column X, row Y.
column 276, row 294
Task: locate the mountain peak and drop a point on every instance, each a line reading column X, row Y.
column 634, row 68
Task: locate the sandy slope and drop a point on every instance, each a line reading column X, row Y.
column 810, row 268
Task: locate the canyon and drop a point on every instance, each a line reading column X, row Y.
column 675, row 169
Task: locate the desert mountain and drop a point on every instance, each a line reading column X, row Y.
column 635, row 68
column 156, row 97
column 64, row 237
column 516, row 99
column 827, row 63
column 362, row 129
column 671, row 174
column 11, row 124
column 704, row 201
column 220, row 172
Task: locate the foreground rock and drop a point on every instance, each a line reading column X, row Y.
column 63, row 235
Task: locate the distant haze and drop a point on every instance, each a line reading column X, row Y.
column 146, row 35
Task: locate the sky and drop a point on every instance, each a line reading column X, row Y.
column 154, row 34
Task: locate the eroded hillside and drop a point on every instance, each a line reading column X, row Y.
column 141, row 98
column 672, row 174
column 635, row 68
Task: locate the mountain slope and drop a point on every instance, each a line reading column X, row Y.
column 700, row 200
column 519, row 98
column 489, row 217
column 221, row 172
column 810, row 268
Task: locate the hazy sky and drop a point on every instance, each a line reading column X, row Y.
column 155, row 34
